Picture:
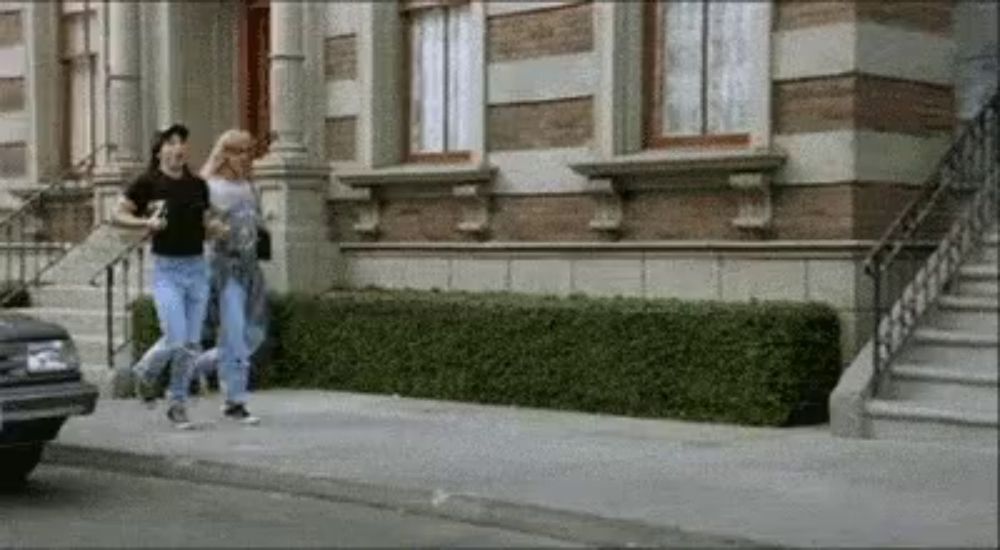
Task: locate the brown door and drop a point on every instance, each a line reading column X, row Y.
column 254, row 49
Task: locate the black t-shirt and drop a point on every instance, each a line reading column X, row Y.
column 186, row 201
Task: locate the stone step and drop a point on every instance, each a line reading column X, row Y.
column 944, row 386
column 987, row 289
column 962, row 302
column 988, row 254
column 979, row 271
column 99, row 375
column 973, row 318
column 84, row 274
column 70, row 296
column 956, row 338
column 973, row 358
column 904, row 420
column 79, row 322
column 93, row 350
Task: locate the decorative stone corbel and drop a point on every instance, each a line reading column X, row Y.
column 608, row 212
column 368, row 215
column 475, row 203
column 755, row 200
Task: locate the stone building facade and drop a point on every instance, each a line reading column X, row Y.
column 700, row 150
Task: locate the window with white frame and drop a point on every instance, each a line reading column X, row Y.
column 440, row 67
column 702, row 85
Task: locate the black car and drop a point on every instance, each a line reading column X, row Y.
column 40, row 387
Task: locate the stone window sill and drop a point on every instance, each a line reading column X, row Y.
column 659, row 162
column 418, row 174
column 468, row 183
column 748, row 172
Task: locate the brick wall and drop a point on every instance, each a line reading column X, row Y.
column 540, row 125
column 863, row 102
column 340, row 57
column 420, row 219
column 341, row 138
column 932, row 16
column 860, row 210
column 13, row 160
column 542, row 218
column 340, row 64
column 551, row 31
column 11, row 31
column 11, row 94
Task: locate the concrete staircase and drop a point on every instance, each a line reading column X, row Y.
column 66, row 297
column 944, row 384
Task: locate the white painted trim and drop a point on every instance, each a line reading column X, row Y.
column 866, row 47
column 14, row 127
column 507, row 7
column 12, row 61
column 543, row 79
column 541, row 171
column 858, row 155
column 343, row 98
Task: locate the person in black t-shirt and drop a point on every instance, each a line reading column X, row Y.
column 172, row 204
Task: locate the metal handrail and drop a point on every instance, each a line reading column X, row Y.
column 909, row 220
column 121, row 262
column 18, row 221
column 74, row 170
column 971, row 163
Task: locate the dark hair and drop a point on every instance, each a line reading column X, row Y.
column 159, row 139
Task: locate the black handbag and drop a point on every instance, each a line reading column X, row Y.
column 263, row 244
column 263, row 235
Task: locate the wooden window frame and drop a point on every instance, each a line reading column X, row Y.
column 653, row 68
column 408, row 8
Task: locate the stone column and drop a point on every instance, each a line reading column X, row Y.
column 287, row 79
column 293, row 187
column 123, row 82
column 123, row 104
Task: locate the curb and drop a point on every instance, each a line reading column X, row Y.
column 476, row 510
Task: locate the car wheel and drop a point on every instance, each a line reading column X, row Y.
column 18, row 462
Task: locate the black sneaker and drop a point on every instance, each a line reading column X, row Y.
column 177, row 415
column 239, row 413
column 146, row 391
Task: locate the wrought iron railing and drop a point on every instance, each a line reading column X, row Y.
column 118, row 275
column 46, row 226
column 962, row 191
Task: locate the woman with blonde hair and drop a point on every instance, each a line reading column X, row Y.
column 237, row 282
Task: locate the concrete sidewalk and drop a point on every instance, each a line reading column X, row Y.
column 598, row 479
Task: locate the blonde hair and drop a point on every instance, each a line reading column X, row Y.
column 220, row 156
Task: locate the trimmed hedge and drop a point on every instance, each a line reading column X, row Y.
column 762, row 363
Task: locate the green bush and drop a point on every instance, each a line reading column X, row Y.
column 770, row 363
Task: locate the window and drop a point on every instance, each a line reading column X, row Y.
column 701, row 83
column 440, row 73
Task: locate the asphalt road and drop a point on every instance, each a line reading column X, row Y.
column 87, row 508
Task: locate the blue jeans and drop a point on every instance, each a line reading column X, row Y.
column 180, row 291
column 233, row 347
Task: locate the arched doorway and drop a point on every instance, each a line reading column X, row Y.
column 253, row 31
